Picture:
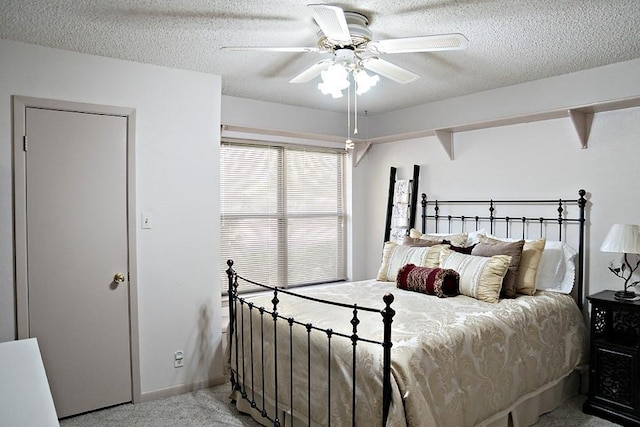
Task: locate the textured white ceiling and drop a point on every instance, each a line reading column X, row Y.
column 510, row 41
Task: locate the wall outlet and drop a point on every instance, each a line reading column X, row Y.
column 178, row 359
column 145, row 221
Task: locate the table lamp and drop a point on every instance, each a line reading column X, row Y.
column 623, row 238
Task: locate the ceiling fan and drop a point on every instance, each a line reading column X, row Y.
column 346, row 36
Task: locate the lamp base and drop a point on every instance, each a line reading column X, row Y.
column 625, row 295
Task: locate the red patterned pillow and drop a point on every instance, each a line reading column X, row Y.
column 441, row 282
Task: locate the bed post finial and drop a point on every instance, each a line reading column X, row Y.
column 582, row 201
column 233, row 280
column 231, row 275
column 388, row 299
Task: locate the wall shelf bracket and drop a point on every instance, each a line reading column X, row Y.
column 361, row 148
column 582, row 123
column 446, row 140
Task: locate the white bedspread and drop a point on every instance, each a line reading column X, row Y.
column 455, row 361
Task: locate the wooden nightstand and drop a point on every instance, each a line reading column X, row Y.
column 614, row 372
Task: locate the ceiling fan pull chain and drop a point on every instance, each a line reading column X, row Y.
column 355, row 109
column 348, row 118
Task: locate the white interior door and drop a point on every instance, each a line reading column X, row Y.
column 76, row 226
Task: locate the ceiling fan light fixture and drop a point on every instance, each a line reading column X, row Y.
column 364, row 81
column 334, row 80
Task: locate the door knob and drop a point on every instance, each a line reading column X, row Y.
column 118, row 278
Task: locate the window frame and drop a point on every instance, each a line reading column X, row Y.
column 283, row 217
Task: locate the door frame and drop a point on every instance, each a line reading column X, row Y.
column 20, row 105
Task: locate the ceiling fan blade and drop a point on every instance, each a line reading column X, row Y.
column 454, row 41
column 312, row 72
column 389, row 70
column 271, row 49
column 332, row 22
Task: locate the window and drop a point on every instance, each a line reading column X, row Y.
column 282, row 216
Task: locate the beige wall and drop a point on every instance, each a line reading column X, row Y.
column 531, row 160
column 177, row 157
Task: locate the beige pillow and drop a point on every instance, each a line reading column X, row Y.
column 528, row 268
column 395, row 256
column 414, row 241
column 459, row 239
column 480, row 277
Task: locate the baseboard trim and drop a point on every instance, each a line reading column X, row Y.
column 180, row 389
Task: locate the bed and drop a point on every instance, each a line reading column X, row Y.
column 368, row 353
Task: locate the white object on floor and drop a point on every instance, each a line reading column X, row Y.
column 25, row 396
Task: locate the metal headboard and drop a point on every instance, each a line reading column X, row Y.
column 492, row 217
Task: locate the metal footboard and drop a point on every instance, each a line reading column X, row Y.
column 238, row 343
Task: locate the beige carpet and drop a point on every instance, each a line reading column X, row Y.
column 211, row 407
column 206, row 407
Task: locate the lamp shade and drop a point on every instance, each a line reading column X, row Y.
column 622, row 238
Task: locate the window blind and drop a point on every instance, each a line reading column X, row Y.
column 282, row 214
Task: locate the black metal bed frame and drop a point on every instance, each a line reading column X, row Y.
column 237, row 302
column 234, row 299
column 560, row 221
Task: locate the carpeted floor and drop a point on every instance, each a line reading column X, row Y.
column 206, row 407
column 211, row 407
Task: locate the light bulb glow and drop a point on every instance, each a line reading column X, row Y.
column 364, row 81
column 334, row 80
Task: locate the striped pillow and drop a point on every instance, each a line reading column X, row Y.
column 480, row 277
column 395, row 256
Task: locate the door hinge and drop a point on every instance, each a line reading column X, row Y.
column 24, row 143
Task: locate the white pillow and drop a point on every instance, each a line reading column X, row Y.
column 557, row 269
column 473, row 237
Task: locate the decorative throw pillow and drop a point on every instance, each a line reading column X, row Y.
column 395, row 256
column 531, row 254
column 440, row 282
column 480, row 277
column 513, row 249
column 414, row 241
column 459, row 239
